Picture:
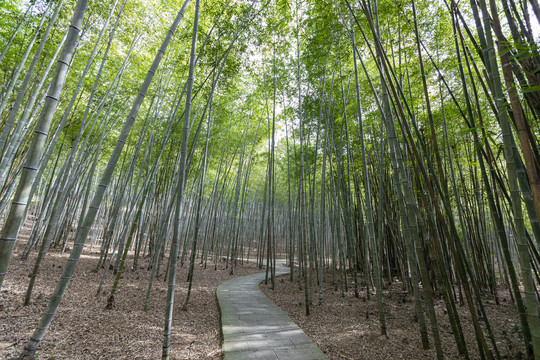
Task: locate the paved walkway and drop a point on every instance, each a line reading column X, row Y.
column 256, row 328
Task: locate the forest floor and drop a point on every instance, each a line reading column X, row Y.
column 84, row 329
column 343, row 327
column 347, row 327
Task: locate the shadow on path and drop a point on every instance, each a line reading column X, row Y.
column 256, row 328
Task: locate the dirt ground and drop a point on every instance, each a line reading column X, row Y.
column 344, row 327
column 84, row 329
column 347, row 327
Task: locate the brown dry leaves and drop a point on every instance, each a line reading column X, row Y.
column 84, row 329
column 348, row 327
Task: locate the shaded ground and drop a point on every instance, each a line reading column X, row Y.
column 343, row 327
column 348, row 327
column 84, row 329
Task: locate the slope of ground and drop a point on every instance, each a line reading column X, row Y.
column 348, row 327
column 84, row 329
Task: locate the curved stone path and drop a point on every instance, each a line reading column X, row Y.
column 256, row 328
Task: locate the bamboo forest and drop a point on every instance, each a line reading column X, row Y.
column 269, row 179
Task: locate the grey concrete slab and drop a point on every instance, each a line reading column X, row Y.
column 251, row 355
column 255, row 328
column 305, row 352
